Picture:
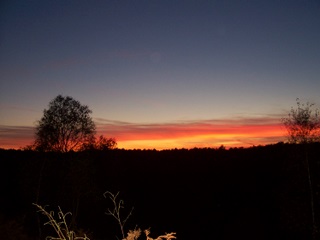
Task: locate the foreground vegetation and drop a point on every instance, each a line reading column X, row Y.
column 254, row 193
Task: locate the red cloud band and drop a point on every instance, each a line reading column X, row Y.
column 188, row 134
column 237, row 132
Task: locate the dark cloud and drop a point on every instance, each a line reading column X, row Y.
column 237, row 131
column 15, row 136
column 152, row 131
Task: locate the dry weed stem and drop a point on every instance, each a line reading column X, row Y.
column 60, row 226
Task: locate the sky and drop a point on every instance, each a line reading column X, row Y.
column 160, row 74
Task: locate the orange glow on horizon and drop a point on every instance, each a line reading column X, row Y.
column 229, row 133
column 199, row 135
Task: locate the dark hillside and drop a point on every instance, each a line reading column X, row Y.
column 252, row 193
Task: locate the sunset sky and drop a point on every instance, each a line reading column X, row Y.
column 160, row 73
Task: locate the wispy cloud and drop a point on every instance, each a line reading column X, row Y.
column 180, row 134
column 15, row 136
column 5, row 107
column 231, row 132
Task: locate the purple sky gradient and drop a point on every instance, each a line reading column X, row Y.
column 158, row 61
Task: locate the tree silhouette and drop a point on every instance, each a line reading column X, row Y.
column 102, row 143
column 65, row 126
column 303, row 123
column 303, row 126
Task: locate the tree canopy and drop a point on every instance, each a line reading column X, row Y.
column 65, row 126
column 303, row 123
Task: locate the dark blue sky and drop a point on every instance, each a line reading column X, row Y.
column 159, row 61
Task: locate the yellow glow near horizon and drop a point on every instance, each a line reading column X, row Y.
column 170, row 136
column 201, row 141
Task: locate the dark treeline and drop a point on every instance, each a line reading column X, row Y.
column 241, row 193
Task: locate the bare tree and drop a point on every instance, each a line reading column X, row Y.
column 303, row 126
column 65, row 126
column 303, row 123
